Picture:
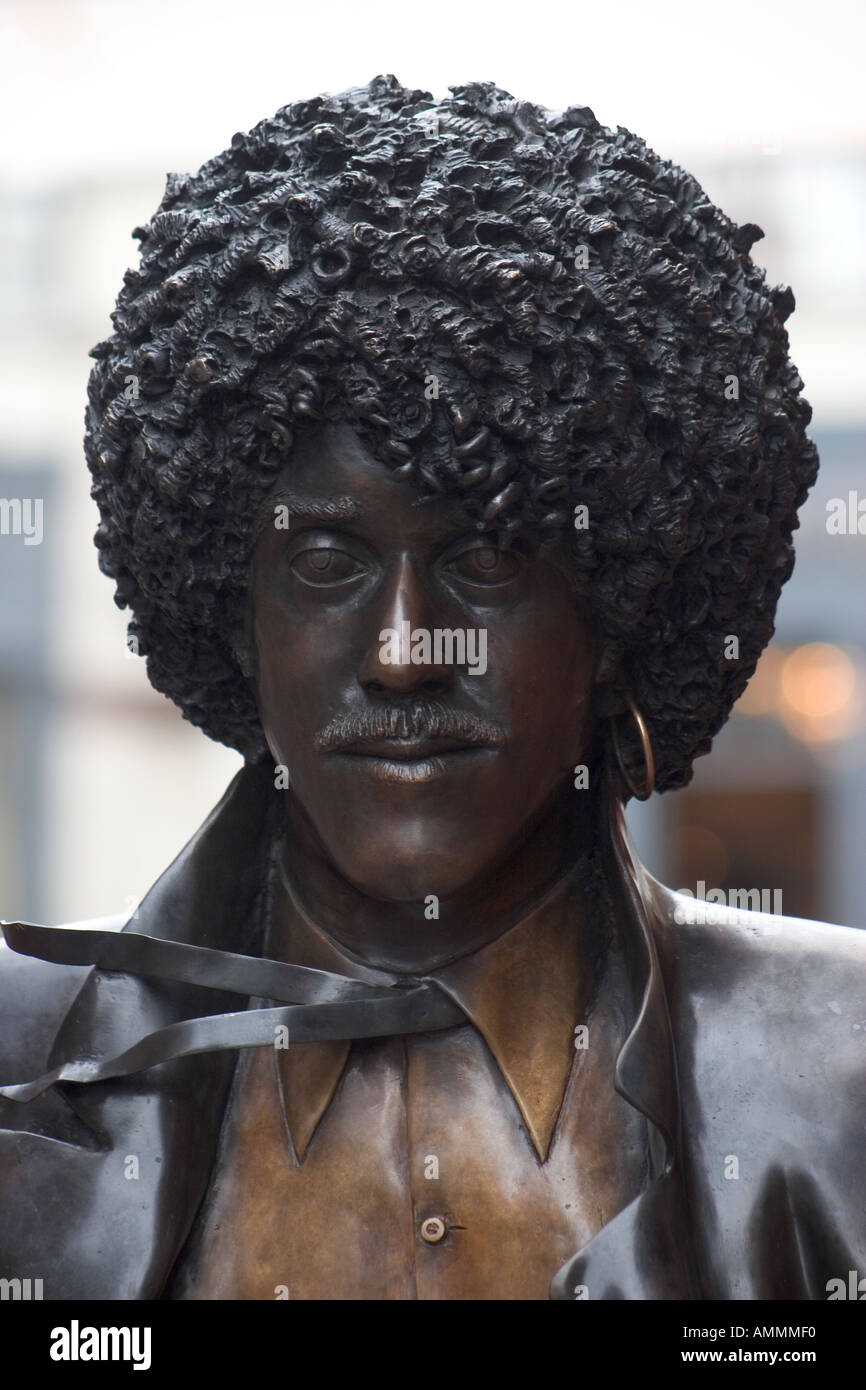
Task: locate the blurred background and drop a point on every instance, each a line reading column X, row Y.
column 101, row 781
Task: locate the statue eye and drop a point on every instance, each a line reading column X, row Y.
column 325, row 565
column 486, row 564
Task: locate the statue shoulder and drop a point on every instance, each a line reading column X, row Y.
column 34, row 997
column 749, row 918
column 797, row 975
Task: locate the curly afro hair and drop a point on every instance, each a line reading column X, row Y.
column 595, row 332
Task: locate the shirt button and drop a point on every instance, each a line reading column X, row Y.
column 432, row 1229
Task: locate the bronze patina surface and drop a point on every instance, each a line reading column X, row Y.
column 465, row 434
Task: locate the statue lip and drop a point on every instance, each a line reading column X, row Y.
column 411, row 749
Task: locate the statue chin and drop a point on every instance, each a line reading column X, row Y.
column 390, row 872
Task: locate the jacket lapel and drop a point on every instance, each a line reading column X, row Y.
column 640, row 1254
column 646, row 1251
column 116, row 1205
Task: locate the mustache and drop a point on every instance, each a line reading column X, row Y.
column 424, row 719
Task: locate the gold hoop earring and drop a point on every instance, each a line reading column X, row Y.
column 645, row 792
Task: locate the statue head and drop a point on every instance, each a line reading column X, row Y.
column 471, row 366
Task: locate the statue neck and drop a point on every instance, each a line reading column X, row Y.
column 415, row 937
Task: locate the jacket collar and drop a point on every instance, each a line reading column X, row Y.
column 646, row 1074
column 646, row 1251
column 101, row 1236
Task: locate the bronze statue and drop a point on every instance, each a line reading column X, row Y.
column 440, row 448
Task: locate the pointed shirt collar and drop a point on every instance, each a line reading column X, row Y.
column 531, row 973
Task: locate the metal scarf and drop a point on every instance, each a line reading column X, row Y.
column 317, row 1004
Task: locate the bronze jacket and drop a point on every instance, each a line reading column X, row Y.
column 746, row 1054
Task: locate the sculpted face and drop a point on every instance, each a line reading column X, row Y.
column 417, row 776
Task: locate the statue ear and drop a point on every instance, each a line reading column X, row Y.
column 242, row 641
column 607, row 700
column 243, row 648
column 609, row 682
column 245, row 659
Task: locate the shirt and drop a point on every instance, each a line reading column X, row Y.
column 462, row 1164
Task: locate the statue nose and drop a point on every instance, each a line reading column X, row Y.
column 397, row 658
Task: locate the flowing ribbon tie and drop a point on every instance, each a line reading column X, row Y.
column 321, row 1006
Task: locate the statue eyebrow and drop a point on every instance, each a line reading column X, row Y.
column 341, row 508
